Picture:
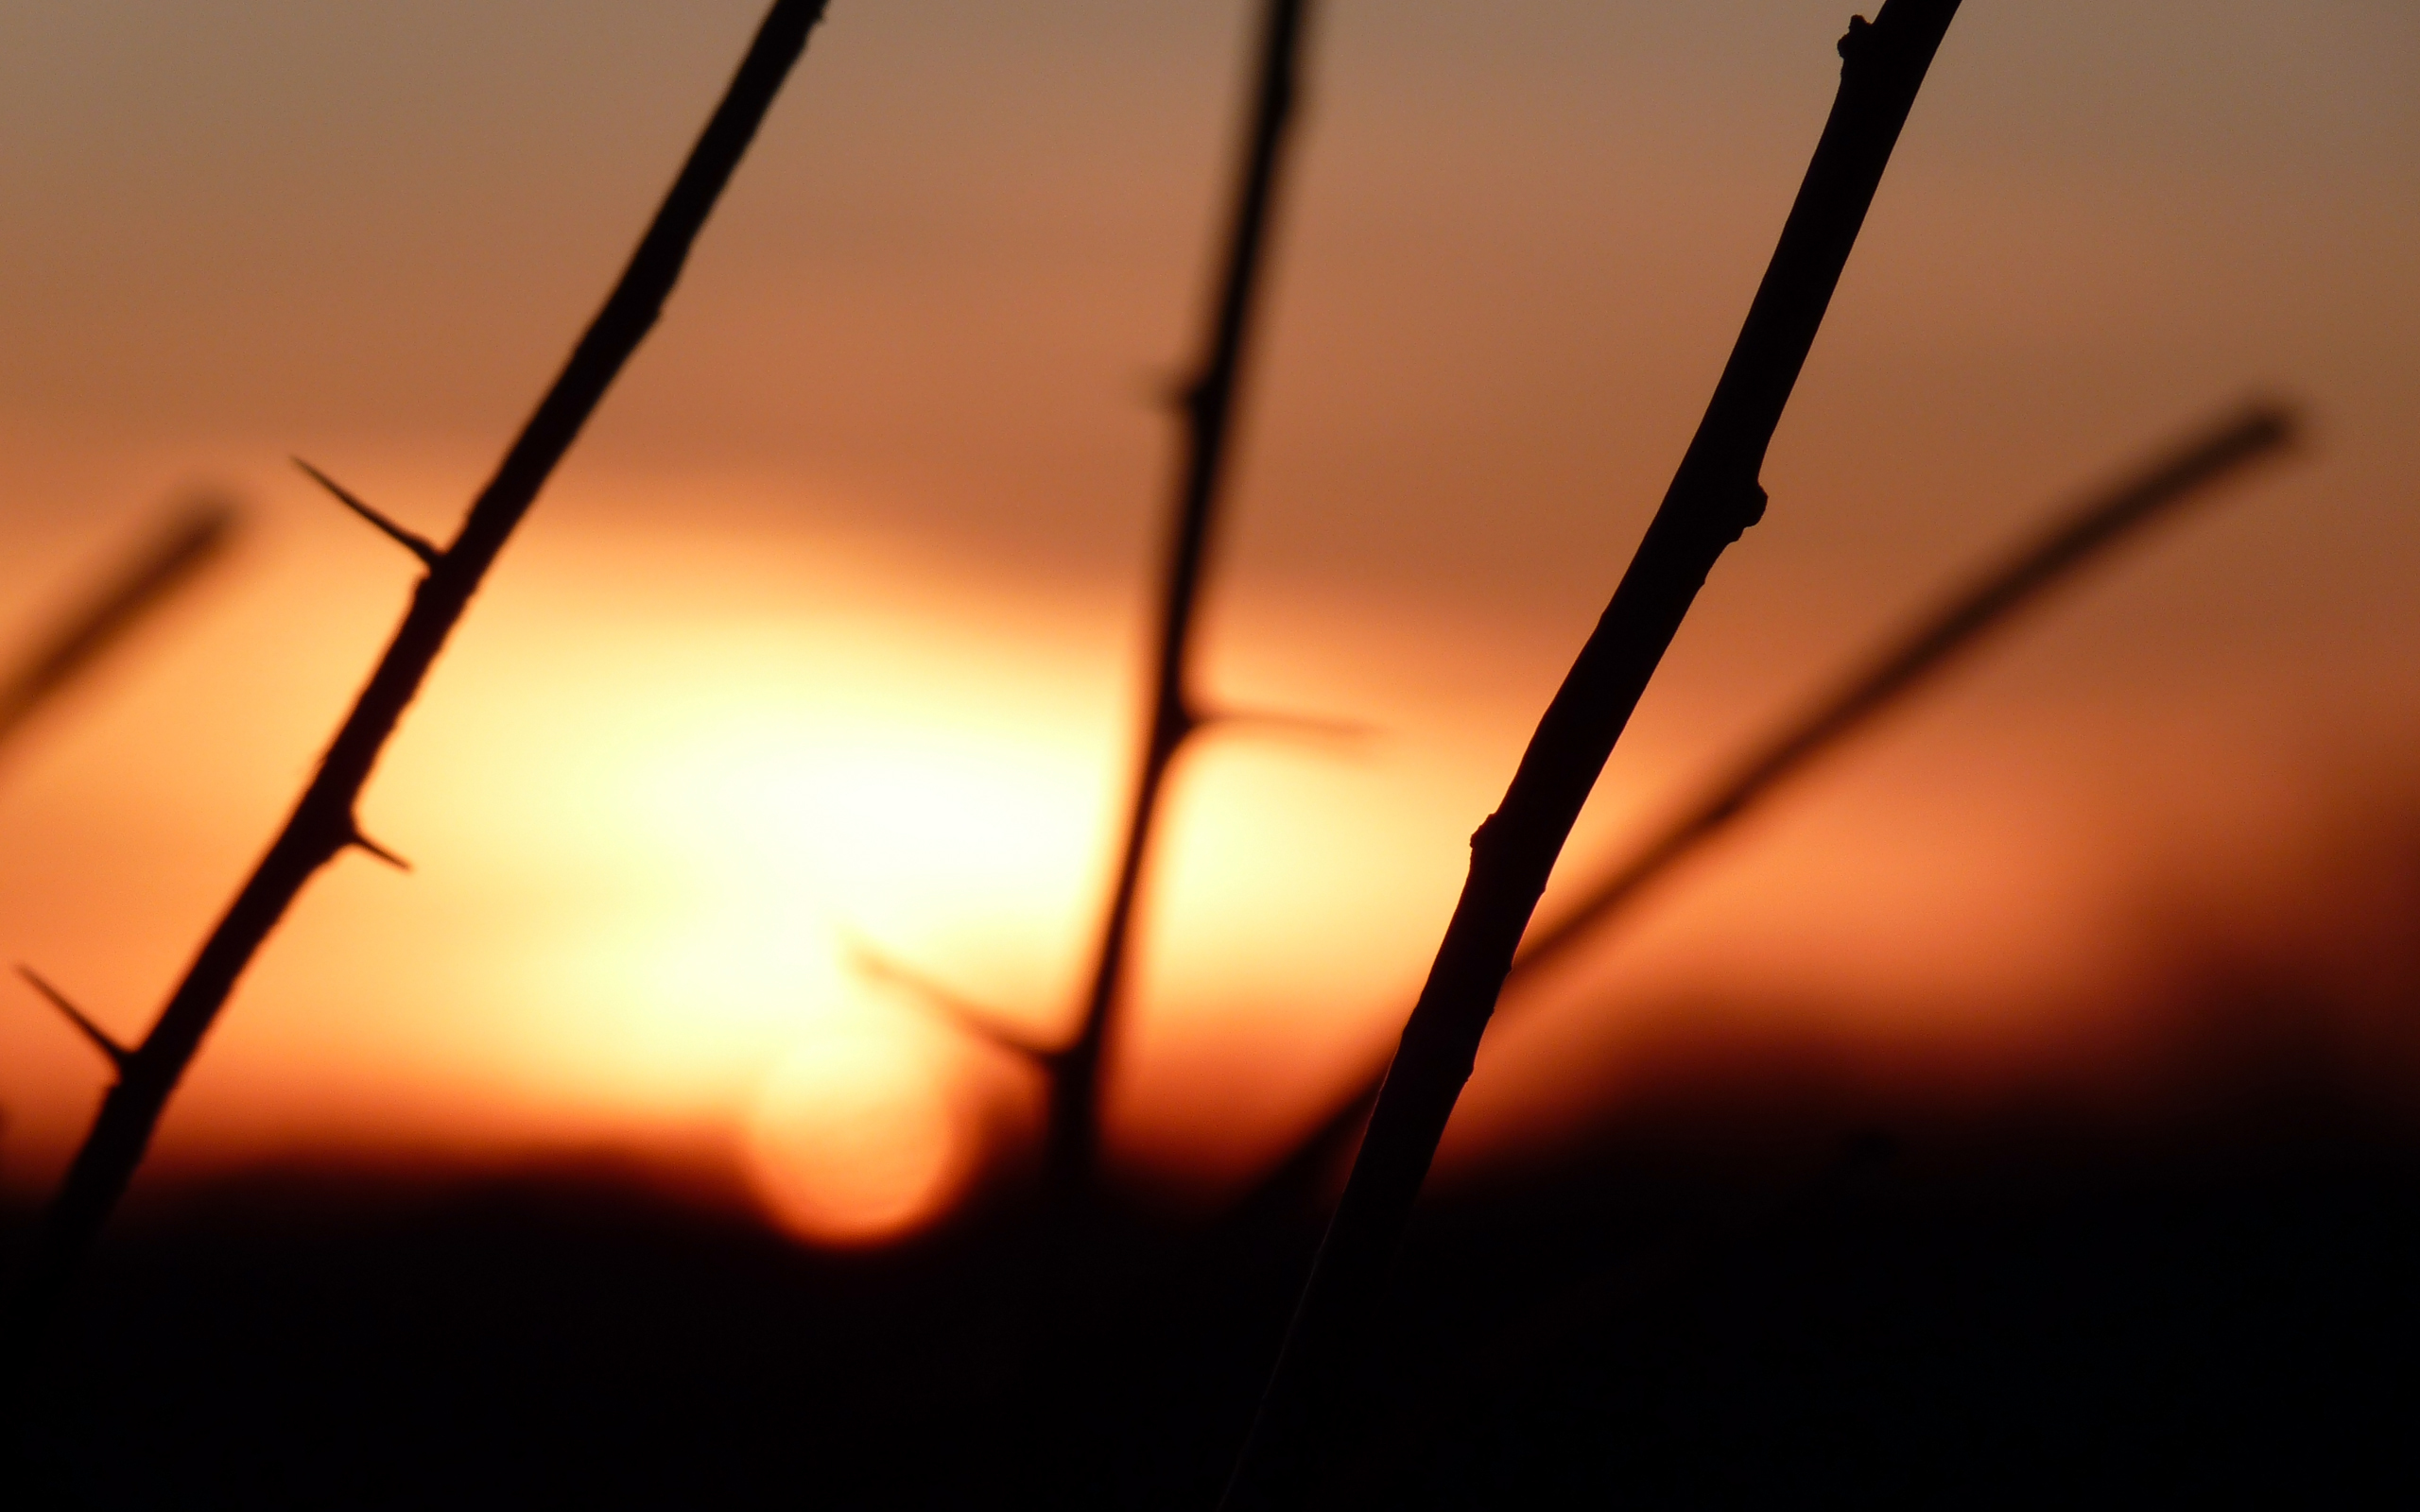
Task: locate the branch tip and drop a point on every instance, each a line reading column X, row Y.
column 418, row 546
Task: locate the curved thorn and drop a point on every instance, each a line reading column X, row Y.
column 418, row 546
column 362, row 842
column 974, row 1018
column 119, row 1055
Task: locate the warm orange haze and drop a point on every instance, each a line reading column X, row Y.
column 827, row 638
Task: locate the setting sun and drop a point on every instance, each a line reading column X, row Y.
column 869, row 696
column 857, row 1134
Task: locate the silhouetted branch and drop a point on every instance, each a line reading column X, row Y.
column 1927, row 648
column 1207, row 403
column 190, row 542
column 1899, row 669
column 117, row 1053
column 323, row 821
column 1713, row 497
column 419, row 546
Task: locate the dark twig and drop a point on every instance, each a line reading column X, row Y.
column 323, row 821
column 1926, row 648
column 1713, row 497
column 192, row 539
column 1208, row 405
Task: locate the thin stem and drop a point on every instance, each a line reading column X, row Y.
column 190, row 542
column 1713, row 497
column 323, row 823
column 1884, row 681
column 1208, row 403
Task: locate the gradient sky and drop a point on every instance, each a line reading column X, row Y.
column 829, row 624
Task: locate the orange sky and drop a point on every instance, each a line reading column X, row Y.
column 829, row 625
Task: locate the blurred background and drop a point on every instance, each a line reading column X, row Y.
column 831, row 626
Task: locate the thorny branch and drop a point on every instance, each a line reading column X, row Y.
column 1714, row 496
column 322, row 822
column 1989, row 602
column 1207, row 403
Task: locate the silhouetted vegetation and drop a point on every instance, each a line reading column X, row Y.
column 1714, row 496
column 1888, row 678
column 1753, row 1283
column 1755, row 1280
column 323, row 823
column 1207, row 401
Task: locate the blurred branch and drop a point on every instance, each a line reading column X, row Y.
column 1714, row 496
column 323, row 821
column 1930, row 646
column 172, row 558
column 1207, row 403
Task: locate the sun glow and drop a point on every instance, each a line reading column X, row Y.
column 786, row 820
column 859, row 1135
column 655, row 816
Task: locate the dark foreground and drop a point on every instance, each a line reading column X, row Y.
column 1719, row 1305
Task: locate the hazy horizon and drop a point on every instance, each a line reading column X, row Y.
column 831, row 624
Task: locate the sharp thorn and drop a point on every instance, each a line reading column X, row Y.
column 974, row 1018
column 119, row 1055
column 362, row 842
column 418, row 546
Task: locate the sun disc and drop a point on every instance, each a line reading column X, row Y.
column 855, row 1137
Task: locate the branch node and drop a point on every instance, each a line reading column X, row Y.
column 1860, row 32
column 119, row 1055
column 1485, row 834
column 1751, row 508
column 419, row 546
